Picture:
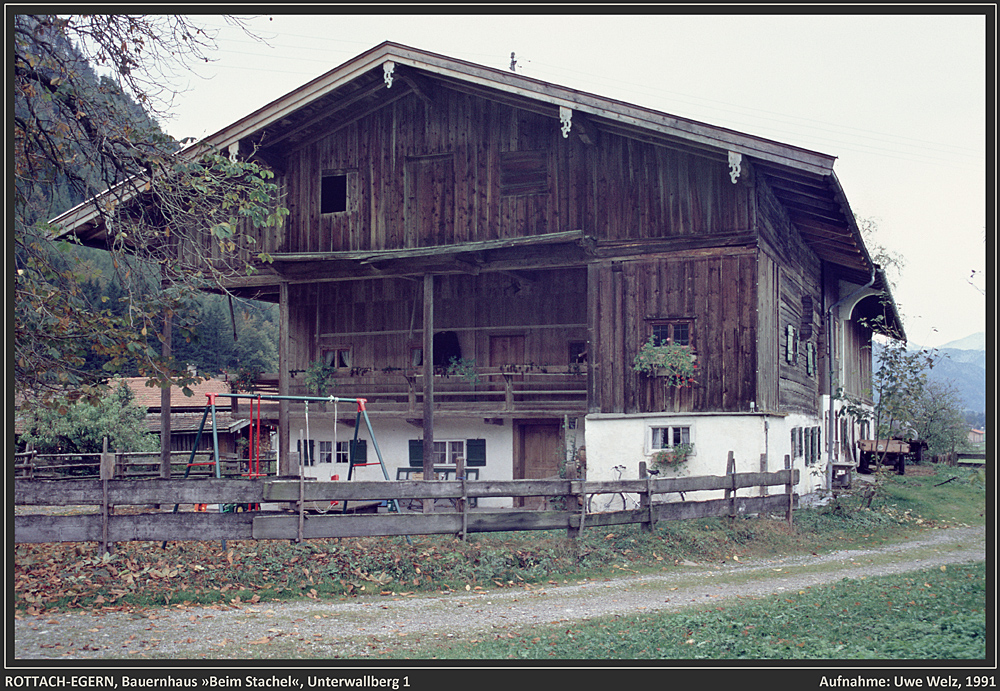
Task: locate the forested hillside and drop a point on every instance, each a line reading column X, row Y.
column 84, row 314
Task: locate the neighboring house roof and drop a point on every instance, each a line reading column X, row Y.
column 802, row 180
column 189, row 423
column 149, row 396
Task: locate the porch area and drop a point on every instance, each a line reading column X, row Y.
column 509, row 390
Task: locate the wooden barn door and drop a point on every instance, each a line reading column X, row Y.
column 538, row 449
column 430, row 201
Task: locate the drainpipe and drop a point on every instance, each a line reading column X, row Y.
column 829, row 350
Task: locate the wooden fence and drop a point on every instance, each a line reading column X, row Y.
column 655, row 500
column 137, row 464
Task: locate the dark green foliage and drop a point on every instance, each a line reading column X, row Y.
column 82, row 427
column 78, row 319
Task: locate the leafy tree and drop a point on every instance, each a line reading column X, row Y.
column 899, row 382
column 890, row 261
column 75, row 134
column 938, row 419
column 82, row 426
column 244, row 339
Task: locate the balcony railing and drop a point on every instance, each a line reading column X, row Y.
column 521, row 389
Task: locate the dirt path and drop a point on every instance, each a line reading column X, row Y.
column 363, row 626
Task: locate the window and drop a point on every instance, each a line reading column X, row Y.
column 326, row 452
column 796, row 442
column 344, row 451
column 810, row 359
column 815, row 446
column 446, row 452
column 807, row 317
column 310, row 456
column 806, row 444
column 339, row 358
column 791, row 345
column 669, row 437
column 677, row 331
column 577, row 352
column 333, row 193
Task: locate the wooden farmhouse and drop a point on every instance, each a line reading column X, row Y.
column 481, row 255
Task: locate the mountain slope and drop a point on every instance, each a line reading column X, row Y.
column 963, row 368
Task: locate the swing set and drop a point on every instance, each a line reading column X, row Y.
column 253, row 468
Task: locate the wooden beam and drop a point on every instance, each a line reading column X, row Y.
column 421, row 86
column 284, row 467
column 428, row 421
column 165, row 404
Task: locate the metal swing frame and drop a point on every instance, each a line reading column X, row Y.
column 254, row 460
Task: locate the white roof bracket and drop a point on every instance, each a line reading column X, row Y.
column 387, row 69
column 565, row 117
column 735, row 165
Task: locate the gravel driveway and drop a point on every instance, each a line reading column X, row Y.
column 363, row 626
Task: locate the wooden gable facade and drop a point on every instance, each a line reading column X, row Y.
column 559, row 230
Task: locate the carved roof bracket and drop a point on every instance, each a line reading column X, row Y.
column 566, row 118
column 735, row 165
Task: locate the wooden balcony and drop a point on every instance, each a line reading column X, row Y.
column 520, row 390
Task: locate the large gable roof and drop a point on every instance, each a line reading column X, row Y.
column 803, row 181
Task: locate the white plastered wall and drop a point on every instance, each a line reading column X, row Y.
column 393, row 437
column 626, row 440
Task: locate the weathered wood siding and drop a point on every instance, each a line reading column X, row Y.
column 642, row 190
column 424, row 175
column 380, row 320
column 716, row 291
column 857, row 359
column 792, row 299
column 769, row 341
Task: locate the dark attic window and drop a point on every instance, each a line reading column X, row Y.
column 333, row 193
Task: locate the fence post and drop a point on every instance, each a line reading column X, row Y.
column 107, row 471
column 788, row 488
column 645, row 499
column 731, row 493
column 462, row 503
column 763, row 469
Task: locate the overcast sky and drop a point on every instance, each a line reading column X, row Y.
column 899, row 100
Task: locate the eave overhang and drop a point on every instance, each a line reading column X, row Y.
column 802, row 180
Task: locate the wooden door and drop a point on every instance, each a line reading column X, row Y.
column 538, row 453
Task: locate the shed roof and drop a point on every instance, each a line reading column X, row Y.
column 149, row 396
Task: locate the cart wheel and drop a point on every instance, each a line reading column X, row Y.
column 865, row 464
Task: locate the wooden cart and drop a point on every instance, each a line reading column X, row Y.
column 893, row 452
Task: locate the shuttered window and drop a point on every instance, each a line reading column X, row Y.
column 524, row 172
column 446, row 451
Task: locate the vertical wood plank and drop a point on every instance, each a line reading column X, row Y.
column 731, row 493
column 788, row 489
column 284, row 467
column 594, row 364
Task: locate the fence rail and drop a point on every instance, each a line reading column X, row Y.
column 287, row 500
column 137, row 464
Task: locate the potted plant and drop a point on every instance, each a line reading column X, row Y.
column 672, row 458
column 319, row 377
column 675, row 364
